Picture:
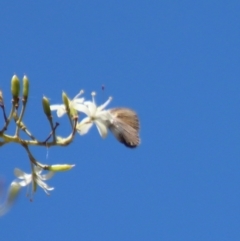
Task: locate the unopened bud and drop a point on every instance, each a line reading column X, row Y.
column 13, row 192
column 65, row 101
column 73, row 113
column 15, row 87
column 46, row 106
column 12, row 196
column 60, row 168
column 25, row 87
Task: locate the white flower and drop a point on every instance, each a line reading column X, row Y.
column 35, row 178
column 61, row 110
column 23, row 180
column 96, row 115
column 122, row 122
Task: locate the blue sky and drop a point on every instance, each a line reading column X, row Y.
column 176, row 63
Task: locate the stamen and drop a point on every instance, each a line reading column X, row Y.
column 101, row 107
column 93, row 95
column 80, row 93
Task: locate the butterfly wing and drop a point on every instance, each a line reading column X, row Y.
column 125, row 126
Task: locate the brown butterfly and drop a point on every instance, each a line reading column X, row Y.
column 125, row 126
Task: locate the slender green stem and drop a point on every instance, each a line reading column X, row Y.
column 53, row 133
column 22, row 126
column 4, row 111
column 20, row 118
column 70, row 119
column 34, row 142
column 32, row 159
column 9, row 118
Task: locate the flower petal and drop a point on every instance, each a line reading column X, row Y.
column 47, row 176
column 44, row 186
column 103, row 106
column 74, row 104
column 104, row 116
column 55, row 107
column 102, row 128
column 38, row 170
column 61, row 111
column 19, row 173
column 59, row 108
column 78, row 101
column 25, row 182
column 81, row 108
column 91, row 106
column 84, row 126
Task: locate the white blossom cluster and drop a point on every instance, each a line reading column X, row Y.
column 122, row 122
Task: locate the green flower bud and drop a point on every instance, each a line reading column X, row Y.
column 60, row 168
column 15, row 87
column 65, row 101
column 25, row 87
column 46, row 106
column 13, row 192
column 73, row 113
column 12, row 196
